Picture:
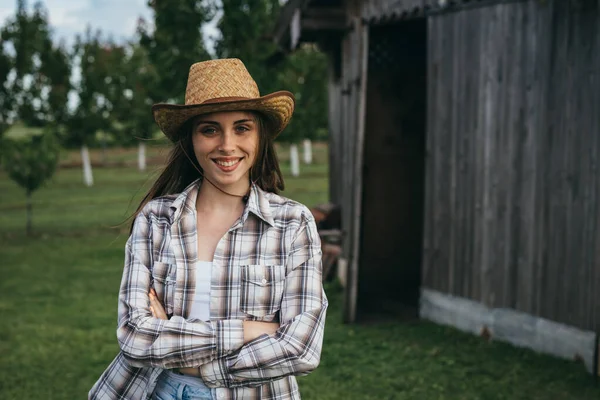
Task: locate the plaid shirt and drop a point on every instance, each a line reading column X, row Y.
column 267, row 267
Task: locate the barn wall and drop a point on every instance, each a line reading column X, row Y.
column 512, row 184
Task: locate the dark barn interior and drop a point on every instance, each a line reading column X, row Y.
column 393, row 173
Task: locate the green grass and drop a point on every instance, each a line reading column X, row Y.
column 58, row 305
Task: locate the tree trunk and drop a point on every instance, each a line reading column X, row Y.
column 307, row 151
column 88, row 178
column 103, row 149
column 294, row 160
column 28, row 227
column 142, row 156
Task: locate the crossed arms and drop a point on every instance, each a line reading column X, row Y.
column 225, row 353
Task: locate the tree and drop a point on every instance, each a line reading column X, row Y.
column 29, row 156
column 34, row 74
column 305, row 75
column 139, row 78
column 95, row 58
column 246, row 26
column 6, row 94
column 34, row 71
column 175, row 43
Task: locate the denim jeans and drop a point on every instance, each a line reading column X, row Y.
column 171, row 387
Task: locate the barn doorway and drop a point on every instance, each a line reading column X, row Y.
column 389, row 275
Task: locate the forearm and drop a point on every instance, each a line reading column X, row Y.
column 176, row 343
column 252, row 330
column 292, row 351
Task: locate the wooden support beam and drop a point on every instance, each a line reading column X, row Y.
column 323, row 18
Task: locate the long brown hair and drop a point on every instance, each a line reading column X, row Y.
column 183, row 168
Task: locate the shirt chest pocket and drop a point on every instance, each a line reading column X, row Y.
column 261, row 289
column 163, row 275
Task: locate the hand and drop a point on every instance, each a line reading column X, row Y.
column 158, row 311
column 254, row 329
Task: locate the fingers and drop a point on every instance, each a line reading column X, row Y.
column 156, row 308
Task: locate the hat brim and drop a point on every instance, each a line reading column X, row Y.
column 278, row 107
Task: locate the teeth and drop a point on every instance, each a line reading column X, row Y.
column 227, row 163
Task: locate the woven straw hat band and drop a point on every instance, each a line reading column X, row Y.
column 210, row 80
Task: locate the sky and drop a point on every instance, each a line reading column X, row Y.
column 117, row 18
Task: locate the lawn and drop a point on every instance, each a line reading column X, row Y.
column 58, row 305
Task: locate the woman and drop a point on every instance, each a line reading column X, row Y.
column 221, row 296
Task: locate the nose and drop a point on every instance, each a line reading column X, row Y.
column 227, row 141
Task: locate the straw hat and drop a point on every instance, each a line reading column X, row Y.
column 223, row 85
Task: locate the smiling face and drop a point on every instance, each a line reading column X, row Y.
column 225, row 145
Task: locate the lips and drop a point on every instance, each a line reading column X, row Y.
column 227, row 164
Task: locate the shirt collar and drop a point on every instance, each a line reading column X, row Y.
column 185, row 201
column 257, row 204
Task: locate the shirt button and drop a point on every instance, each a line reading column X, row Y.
column 221, row 395
column 264, row 281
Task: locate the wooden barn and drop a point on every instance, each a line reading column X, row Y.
column 464, row 152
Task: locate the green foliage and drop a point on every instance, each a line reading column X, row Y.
column 96, row 58
column 174, row 44
column 6, row 94
column 29, row 156
column 139, row 79
column 305, row 74
column 245, row 27
column 38, row 93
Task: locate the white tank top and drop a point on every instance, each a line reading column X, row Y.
column 201, row 304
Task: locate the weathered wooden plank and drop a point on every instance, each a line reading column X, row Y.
column 350, row 291
column 472, row 62
column 444, row 115
column 440, row 267
column 594, row 149
column 586, row 183
column 562, row 204
column 433, row 61
column 361, row 63
column 554, row 234
column 532, row 200
column 575, row 231
column 525, row 116
column 433, row 269
column 451, row 124
column 511, row 80
column 503, row 174
column 335, row 135
column 488, row 200
column 460, row 185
